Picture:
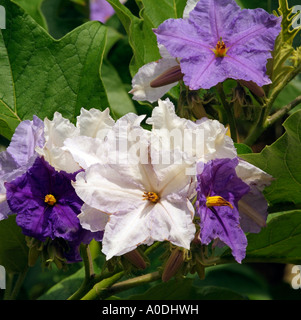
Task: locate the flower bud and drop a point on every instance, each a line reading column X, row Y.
column 173, row 264
column 136, row 259
column 171, row 75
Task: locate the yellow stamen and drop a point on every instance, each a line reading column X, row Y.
column 217, row 201
column 220, row 49
column 151, row 196
column 50, row 199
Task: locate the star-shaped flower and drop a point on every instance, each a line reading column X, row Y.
column 218, row 191
column 220, row 41
column 46, row 204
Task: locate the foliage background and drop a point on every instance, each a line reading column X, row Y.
column 53, row 59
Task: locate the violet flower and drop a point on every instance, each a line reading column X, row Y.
column 47, row 206
column 101, row 10
column 218, row 191
column 220, row 41
column 19, row 156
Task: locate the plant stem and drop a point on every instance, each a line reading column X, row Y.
column 132, row 283
column 100, row 289
column 228, row 109
column 280, row 113
column 87, row 259
column 264, row 123
column 13, row 294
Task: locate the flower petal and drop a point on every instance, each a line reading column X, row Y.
column 108, row 189
column 172, row 221
column 213, row 18
column 141, row 82
column 93, row 219
column 125, row 231
column 94, row 123
column 27, row 136
column 223, row 224
column 181, row 38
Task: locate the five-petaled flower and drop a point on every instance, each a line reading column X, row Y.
column 46, row 205
column 220, row 41
column 218, row 191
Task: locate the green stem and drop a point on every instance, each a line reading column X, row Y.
column 16, row 289
column 264, row 123
column 99, row 290
column 229, row 111
column 132, row 283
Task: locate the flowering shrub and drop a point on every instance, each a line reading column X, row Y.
column 148, row 148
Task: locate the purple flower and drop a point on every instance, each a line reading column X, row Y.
column 101, row 10
column 19, row 156
column 47, row 206
column 220, row 41
column 218, row 191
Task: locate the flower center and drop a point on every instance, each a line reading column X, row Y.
column 151, row 196
column 50, row 199
column 217, row 201
column 220, row 49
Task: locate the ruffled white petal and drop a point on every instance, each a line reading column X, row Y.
column 252, row 175
column 105, row 188
column 126, row 231
column 56, row 132
column 93, row 219
column 94, row 123
column 173, row 222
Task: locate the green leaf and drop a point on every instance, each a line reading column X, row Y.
column 283, row 161
column 40, row 75
column 159, row 11
column 62, row 16
column 242, row 148
column 33, row 8
column 65, row 288
column 279, row 241
column 13, row 248
column 140, row 34
column 118, row 97
column 183, row 289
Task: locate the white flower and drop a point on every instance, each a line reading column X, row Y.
column 90, row 124
column 145, row 203
column 204, row 140
column 142, row 89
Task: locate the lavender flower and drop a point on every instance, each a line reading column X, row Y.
column 47, row 206
column 19, row 156
column 220, row 41
column 218, row 191
column 101, row 10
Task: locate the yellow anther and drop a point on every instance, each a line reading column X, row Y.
column 50, row 199
column 220, row 49
column 151, row 196
column 217, row 201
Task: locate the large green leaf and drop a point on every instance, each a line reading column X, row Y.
column 140, row 34
column 279, row 242
column 283, row 161
column 39, row 75
column 13, row 248
column 183, row 289
column 33, row 8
